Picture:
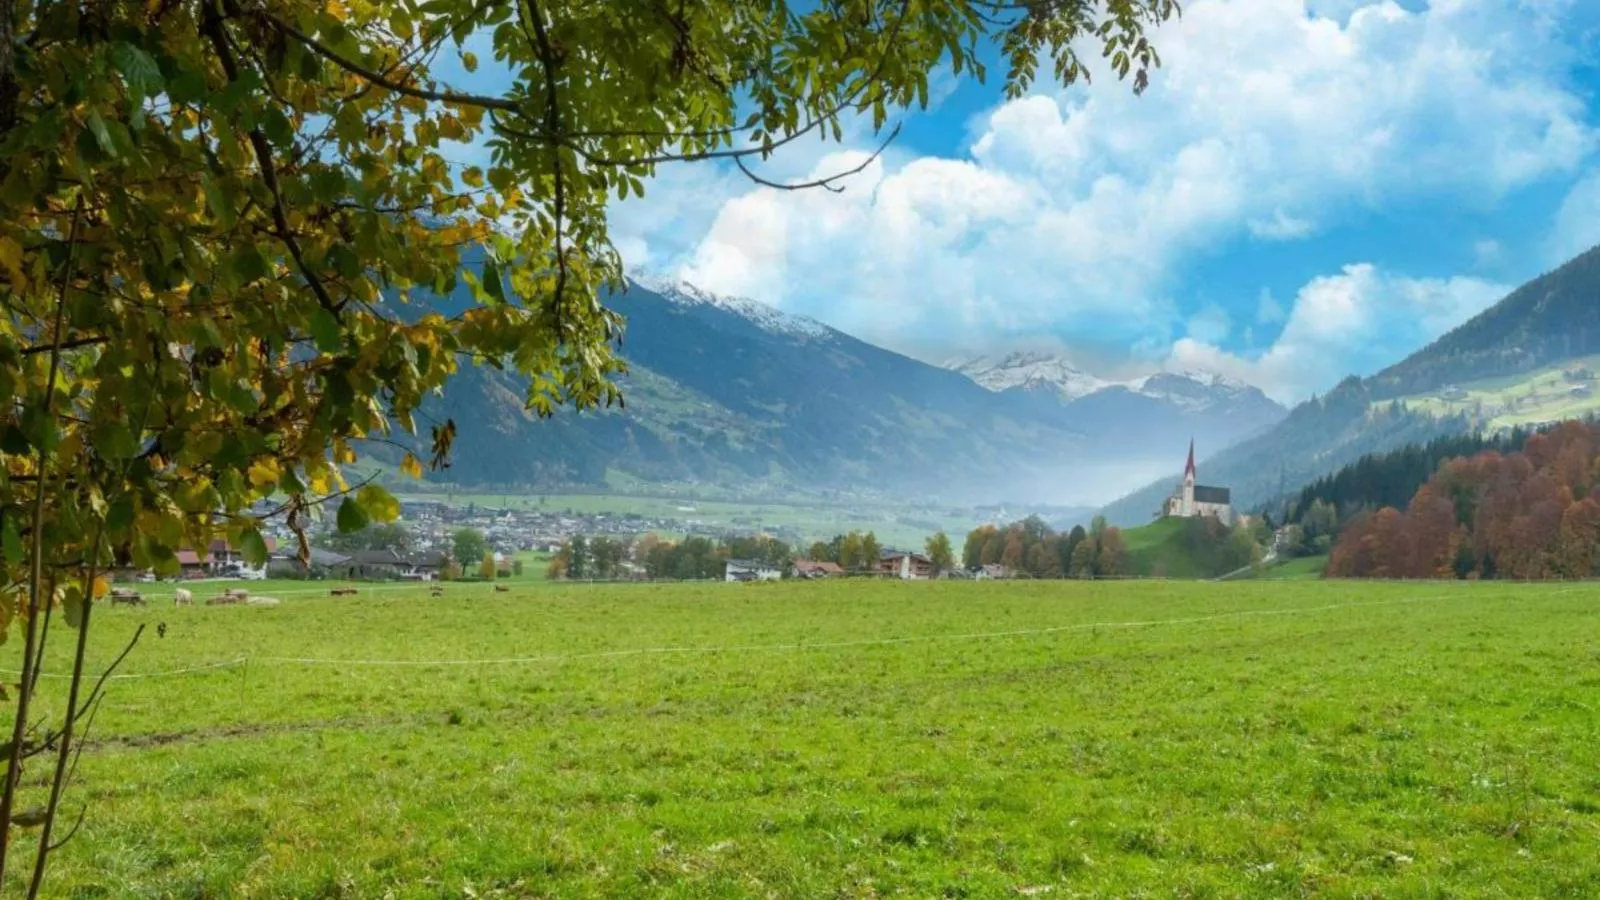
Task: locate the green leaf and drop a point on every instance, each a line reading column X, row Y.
column 11, row 541
column 186, row 87
column 72, row 605
column 378, row 503
column 102, row 134
column 325, row 328
column 492, row 285
column 277, row 127
column 119, row 516
column 344, row 261
column 351, row 516
column 249, row 265
column 254, row 548
column 221, row 209
column 139, row 69
column 114, row 440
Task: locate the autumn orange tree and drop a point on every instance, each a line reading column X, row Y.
column 222, row 219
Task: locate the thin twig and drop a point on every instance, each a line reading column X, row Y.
column 826, row 183
column 36, row 572
column 64, row 755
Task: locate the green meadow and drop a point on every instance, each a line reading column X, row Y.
column 848, row 739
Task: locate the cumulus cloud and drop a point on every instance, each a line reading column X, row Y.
column 1346, row 324
column 1577, row 226
column 1075, row 211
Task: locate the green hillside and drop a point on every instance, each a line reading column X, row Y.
column 1548, row 394
column 1305, row 568
column 1182, row 548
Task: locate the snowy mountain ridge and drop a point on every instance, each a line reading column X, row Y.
column 761, row 314
column 1030, row 372
column 1036, row 371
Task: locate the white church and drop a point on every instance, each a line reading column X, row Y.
column 1192, row 500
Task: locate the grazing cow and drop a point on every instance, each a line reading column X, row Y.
column 500, row 587
column 126, row 595
column 227, row 599
column 182, row 597
column 436, row 592
column 341, row 592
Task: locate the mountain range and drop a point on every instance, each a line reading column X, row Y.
column 730, row 390
column 1550, row 321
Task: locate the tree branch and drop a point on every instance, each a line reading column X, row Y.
column 552, row 123
column 322, row 50
column 36, row 574
column 211, row 25
column 824, row 183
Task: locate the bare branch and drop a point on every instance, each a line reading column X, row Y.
column 36, row 575
column 824, row 183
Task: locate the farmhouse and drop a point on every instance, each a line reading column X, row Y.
column 905, row 565
column 752, row 570
column 285, row 563
column 1192, row 501
column 805, row 568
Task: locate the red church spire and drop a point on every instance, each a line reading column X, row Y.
column 1188, row 470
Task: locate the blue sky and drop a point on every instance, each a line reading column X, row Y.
column 1309, row 188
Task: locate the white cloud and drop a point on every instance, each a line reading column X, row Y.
column 1487, row 252
column 1268, row 310
column 1577, row 226
column 1281, row 227
column 1076, row 211
column 1355, row 322
column 1211, row 324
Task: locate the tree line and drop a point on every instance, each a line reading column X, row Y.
column 1031, row 547
column 1391, row 479
column 1530, row 514
column 655, row 557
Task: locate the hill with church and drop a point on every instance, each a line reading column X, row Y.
column 1526, row 361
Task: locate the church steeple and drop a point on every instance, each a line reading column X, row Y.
column 1188, row 470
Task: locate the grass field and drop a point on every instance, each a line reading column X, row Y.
column 852, row 739
column 1304, row 568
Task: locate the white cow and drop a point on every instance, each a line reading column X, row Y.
column 182, row 597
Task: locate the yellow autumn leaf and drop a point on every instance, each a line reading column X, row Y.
column 411, row 466
column 473, row 176
column 102, row 586
column 11, row 261
column 264, row 472
column 469, row 61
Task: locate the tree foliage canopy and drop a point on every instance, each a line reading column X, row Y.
column 218, row 220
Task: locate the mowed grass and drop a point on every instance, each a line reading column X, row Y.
column 853, row 739
column 1304, row 568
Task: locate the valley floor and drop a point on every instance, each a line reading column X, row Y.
column 851, row 740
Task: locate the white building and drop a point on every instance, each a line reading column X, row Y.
column 1192, row 500
column 750, row 570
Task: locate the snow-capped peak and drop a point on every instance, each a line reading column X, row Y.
column 764, row 315
column 1215, row 380
column 1191, row 389
column 1029, row 371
